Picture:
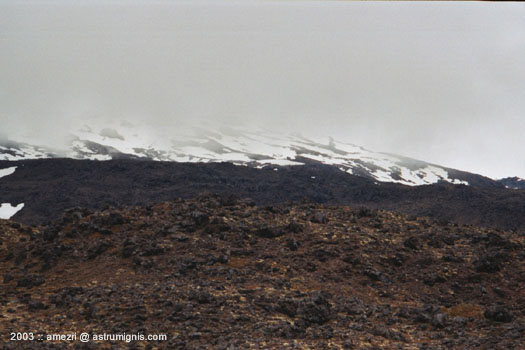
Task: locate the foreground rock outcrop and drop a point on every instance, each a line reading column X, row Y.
column 221, row 273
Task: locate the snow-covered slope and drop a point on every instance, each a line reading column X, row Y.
column 6, row 209
column 257, row 148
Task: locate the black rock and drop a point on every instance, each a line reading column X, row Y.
column 316, row 309
column 319, row 217
column 36, row 305
column 128, row 251
column 491, row 262
column 292, row 244
column 287, row 306
column 7, row 278
column 199, row 218
column 97, row 248
column 50, row 233
column 498, row 314
column 30, row 281
column 440, row 320
column 269, row 232
column 412, row 243
column 294, row 227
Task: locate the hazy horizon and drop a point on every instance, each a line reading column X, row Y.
column 439, row 82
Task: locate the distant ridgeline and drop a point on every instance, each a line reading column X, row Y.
column 47, row 187
column 253, row 148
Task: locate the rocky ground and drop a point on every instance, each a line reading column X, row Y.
column 220, row 273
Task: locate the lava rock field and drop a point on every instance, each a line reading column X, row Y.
column 215, row 272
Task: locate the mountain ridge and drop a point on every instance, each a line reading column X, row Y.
column 49, row 186
column 254, row 148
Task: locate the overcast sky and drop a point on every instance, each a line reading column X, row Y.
column 441, row 82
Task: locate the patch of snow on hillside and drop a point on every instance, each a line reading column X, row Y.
column 7, row 171
column 458, row 182
column 23, row 152
column 424, row 176
column 7, row 210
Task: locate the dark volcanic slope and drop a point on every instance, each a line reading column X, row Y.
column 214, row 273
column 513, row 183
column 49, row 186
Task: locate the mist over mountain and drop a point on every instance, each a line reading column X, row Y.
column 253, row 147
column 438, row 82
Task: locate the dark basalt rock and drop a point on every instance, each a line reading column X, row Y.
column 498, row 314
column 199, row 218
column 287, row 306
column 315, row 309
column 412, row 243
column 30, row 281
column 50, row 233
column 294, row 227
column 36, row 305
column 128, row 249
column 319, row 217
column 491, row 262
column 97, row 248
column 269, row 232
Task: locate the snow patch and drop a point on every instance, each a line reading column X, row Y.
column 7, row 171
column 7, row 210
